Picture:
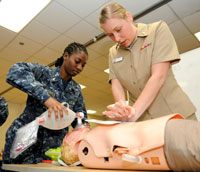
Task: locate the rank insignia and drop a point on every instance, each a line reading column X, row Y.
column 146, row 45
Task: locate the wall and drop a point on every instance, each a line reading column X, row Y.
column 187, row 73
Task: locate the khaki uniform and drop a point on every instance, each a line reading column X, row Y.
column 132, row 67
column 182, row 148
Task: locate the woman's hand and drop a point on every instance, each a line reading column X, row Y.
column 57, row 107
column 120, row 111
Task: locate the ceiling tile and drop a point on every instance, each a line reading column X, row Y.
column 105, row 86
column 192, row 22
column 47, row 54
column 89, row 70
column 179, row 30
column 96, row 97
column 13, row 56
column 162, row 13
column 79, row 78
column 100, row 63
column 100, row 77
column 20, row 98
column 60, row 43
column 92, row 55
column 136, row 6
column 93, row 19
column 87, row 81
column 4, row 66
column 25, row 45
column 4, row 85
column 36, row 60
column 133, row 7
column 187, row 43
column 15, row 95
column 57, row 17
column 82, row 8
column 6, row 36
column 185, row 7
column 83, row 35
column 102, row 46
column 39, row 33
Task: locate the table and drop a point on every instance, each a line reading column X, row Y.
column 53, row 168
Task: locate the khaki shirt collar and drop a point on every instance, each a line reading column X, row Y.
column 142, row 30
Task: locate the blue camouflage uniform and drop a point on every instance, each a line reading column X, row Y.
column 40, row 82
column 3, row 110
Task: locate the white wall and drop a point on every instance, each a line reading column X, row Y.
column 187, row 73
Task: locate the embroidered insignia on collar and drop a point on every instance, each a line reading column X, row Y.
column 146, row 45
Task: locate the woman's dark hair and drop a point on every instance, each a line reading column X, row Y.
column 70, row 49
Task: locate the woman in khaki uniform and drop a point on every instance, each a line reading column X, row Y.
column 140, row 63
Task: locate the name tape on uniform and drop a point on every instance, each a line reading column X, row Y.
column 119, row 59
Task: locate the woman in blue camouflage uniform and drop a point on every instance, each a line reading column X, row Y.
column 46, row 89
column 3, row 110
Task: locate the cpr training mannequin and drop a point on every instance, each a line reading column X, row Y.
column 156, row 144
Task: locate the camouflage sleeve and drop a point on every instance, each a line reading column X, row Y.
column 24, row 77
column 3, row 110
column 79, row 107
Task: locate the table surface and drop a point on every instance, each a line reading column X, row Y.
column 53, row 168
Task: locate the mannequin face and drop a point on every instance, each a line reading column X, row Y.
column 73, row 65
column 121, row 31
column 70, row 144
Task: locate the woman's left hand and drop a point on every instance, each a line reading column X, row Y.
column 120, row 111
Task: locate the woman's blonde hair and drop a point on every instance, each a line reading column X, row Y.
column 111, row 9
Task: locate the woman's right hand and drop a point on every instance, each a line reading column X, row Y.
column 53, row 105
column 120, row 111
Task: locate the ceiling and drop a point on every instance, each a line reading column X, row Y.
column 66, row 21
